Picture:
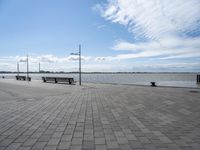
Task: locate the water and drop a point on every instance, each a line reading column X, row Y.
column 167, row 79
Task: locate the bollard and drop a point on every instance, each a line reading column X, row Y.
column 153, row 83
column 198, row 79
column 29, row 78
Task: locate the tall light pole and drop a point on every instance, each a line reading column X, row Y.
column 17, row 68
column 27, row 68
column 79, row 53
column 39, row 67
column 79, row 64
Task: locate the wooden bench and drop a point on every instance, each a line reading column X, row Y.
column 52, row 79
column 58, row 79
column 153, row 83
column 23, row 78
column 20, row 78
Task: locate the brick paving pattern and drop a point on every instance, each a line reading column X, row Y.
column 103, row 117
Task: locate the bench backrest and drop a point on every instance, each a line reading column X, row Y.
column 58, row 79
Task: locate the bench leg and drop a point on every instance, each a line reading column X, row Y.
column 69, row 81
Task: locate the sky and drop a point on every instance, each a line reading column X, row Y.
column 115, row 35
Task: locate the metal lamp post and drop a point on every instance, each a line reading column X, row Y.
column 79, row 54
column 27, row 68
column 39, row 67
column 17, row 68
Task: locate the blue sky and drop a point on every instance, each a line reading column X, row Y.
column 116, row 35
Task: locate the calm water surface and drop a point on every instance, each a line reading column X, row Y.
column 173, row 79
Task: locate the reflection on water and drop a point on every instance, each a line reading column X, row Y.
column 177, row 79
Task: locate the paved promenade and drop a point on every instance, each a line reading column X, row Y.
column 44, row 116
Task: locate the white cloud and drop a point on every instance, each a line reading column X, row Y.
column 47, row 58
column 102, row 59
column 167, row 48
column 21, row 58
column 153, row 18
column 75, row 58
column 99, row 64
column 48, row 62
column 55, row 59
column 164, row 24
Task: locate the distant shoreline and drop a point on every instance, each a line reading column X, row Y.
column 49, row 72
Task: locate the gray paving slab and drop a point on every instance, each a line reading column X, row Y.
column 95, row 116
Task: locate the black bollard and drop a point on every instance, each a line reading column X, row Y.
column 153, row 83
column 198, row 79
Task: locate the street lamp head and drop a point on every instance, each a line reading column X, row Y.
column 74, row 53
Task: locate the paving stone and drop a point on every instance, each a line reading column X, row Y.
column 149, row 147
column 112, row 145
column 39, row 146
column 50, row 148
column 195, row 146
column 21, row 139
column 78, row 134
column 125, row 147
column 76, row 147
column 49, row 132
column 100, row 147
column 64, row 145
column 88, row 137
column 2, row 148
column 13, row 146
column 99, row 134
column 99, row 141
column 57, row 134
column 77, row 141
column 24, row 148
column 88, row 131
column 102, row 117
column 110, row 137
column 36, row 135
column 29, row 142
column 165, row 139
column 131, row 137
column 6, row 142
column 173, row 146
column 144, row 140
column 163, row 149
column 119, row 134
column 60, row 129
column 159, row 144
column 66, row 137
column 122, row 140
column 53, row 141
column 88, row 145
column 44, row 138
column 136, row 145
